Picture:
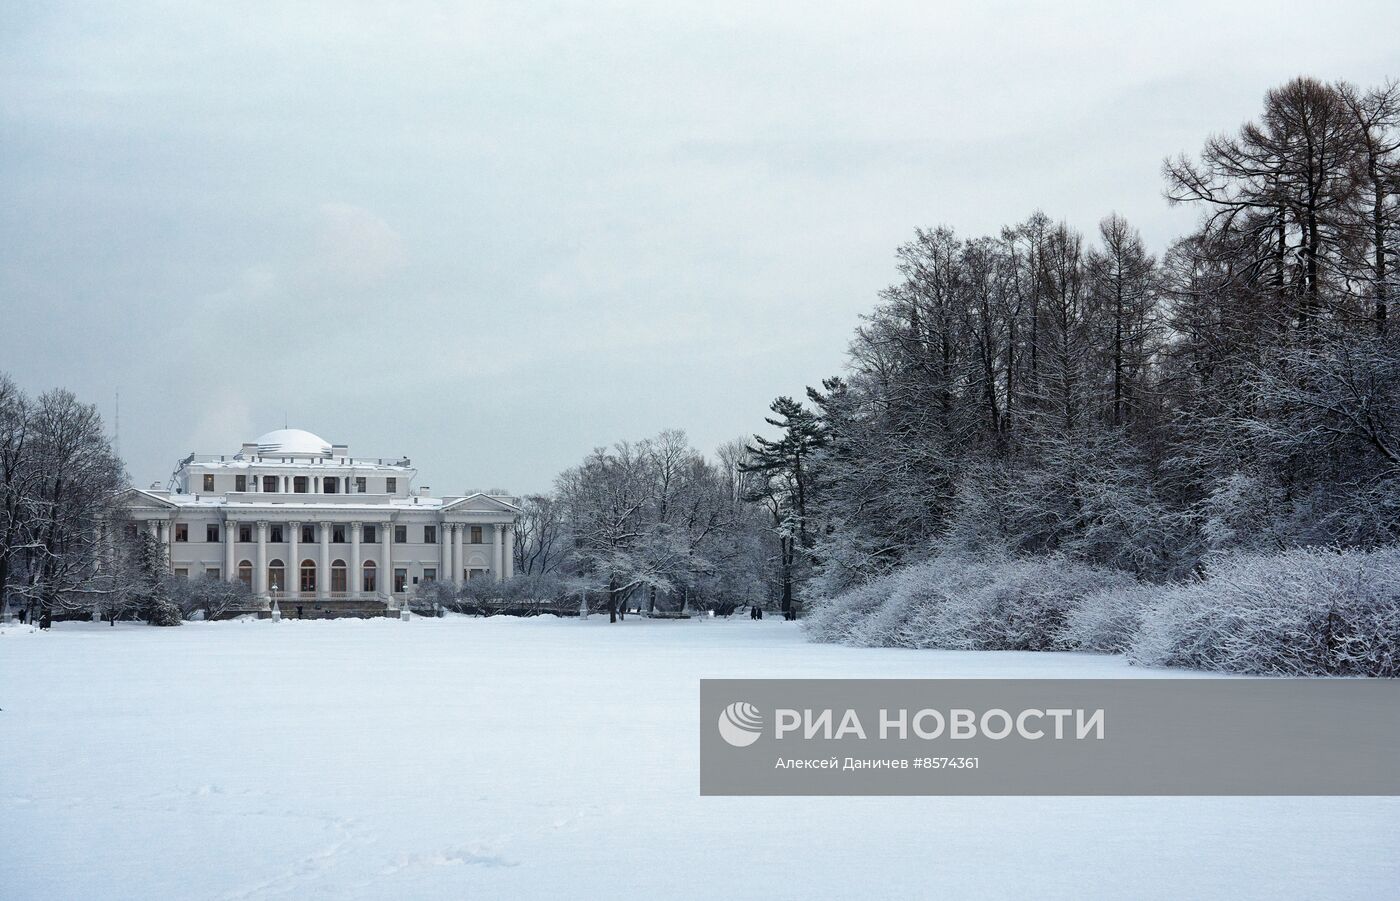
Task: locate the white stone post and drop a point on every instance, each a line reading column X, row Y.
column 260, row 573
column 510, row 550
column 230, row 560
column 323, row 580
column 386, row 559
column 459, row 560
column 294, row 565
column 353, row 585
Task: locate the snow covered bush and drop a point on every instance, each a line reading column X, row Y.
column 1301, row 612
column 1108, row 620
column 208, row 597
column 964, row 602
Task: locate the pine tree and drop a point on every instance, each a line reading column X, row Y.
column 785, row 467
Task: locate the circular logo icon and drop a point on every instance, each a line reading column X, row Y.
column 740, row 724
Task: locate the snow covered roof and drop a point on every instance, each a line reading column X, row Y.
column 293, row 443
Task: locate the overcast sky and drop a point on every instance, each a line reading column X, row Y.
column 491, row 237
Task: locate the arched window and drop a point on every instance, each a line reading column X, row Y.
column 245, row 572
column 308, row 575
column 338, row 572
column 369, row 576
column 276, row 576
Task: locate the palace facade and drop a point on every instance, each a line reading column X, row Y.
column 305, row 523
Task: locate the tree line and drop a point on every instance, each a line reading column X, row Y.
column 1042, row 392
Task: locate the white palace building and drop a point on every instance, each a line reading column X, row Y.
column 306, row 524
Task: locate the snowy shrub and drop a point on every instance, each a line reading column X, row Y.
column 831, row 617
column 1302, row 612
column 209, row 597
column 1108, row 620
column 965, row 602
column 443, row 594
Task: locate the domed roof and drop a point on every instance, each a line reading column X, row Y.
column 293, row 443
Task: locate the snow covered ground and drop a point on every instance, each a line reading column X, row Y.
column 524, row 758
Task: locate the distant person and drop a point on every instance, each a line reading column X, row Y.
column 298, row 611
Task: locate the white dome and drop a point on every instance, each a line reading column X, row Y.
column 293, row 443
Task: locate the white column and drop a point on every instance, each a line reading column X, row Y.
column 352, row 580
column 458, row 559
column 260, row 566
column 169, row 543
column 323, row 574
column 445, row 555
column 510, row 550
column 230, row 558
column 386, row 559
column 294, row 564
column 499, row 568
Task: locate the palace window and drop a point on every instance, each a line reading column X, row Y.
column 330, row 485
column 475, row 573
column 369, row 572
column 308, row 534
column 240, row 483
column 338, row 576
column 208, row 482
column 212, row 572
column 400, row 581
column 391, row 485
column 277, row 576
column 182, row 573
column 429, row 574
column 308, row 575
column 276, row 534
column 211, row 532
column 270, row 484
column 361, row 485
column 400, row 534
column 476, row 534
column 338, row 534
column 299, row 485
column 182, row 531
column 371, row 535
column 245, row 533
column 245, row 572
column 430, row 534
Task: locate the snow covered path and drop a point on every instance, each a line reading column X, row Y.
column 525, row 758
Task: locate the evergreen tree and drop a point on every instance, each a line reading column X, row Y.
column 785, row 471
